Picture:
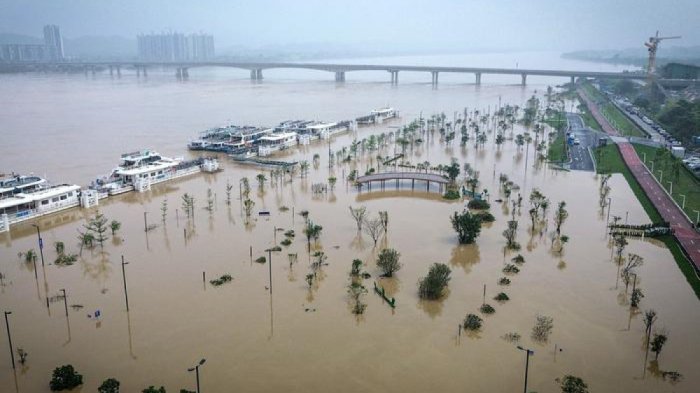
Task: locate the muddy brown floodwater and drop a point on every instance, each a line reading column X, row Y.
column 299, row 339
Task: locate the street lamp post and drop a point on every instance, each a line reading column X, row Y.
column 196, row 370
column 670, row 189
column 41, row 243
column 661, row 177
column 607, row 220
column 697, row 218
column 65, row 300
column 645, row 157
column 528, row 353
column 652, row 167
column 126, row 293
column 683, row 204
column 9, row 338
column 145, row 222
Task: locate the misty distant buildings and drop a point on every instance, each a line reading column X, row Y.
column 169, row 47
column 50, row 50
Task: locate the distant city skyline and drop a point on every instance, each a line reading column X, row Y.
column 173, row 46
column 559, row 25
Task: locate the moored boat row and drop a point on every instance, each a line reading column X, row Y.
column 26, row 197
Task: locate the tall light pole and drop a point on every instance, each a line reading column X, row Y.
column 661, row 177
column 126, row 293
column 528, row 353
column 41, row 243
column 65, row 300
column 652, row 167
column 697, row 218
column 9, row 338
column 670, row 189
column 196, row 370
column 145, row 222
column 607, row 220
column 682, row 205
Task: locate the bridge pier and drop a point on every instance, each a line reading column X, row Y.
column 256, row 74
column 573, row 80
column 111, row 71
column 478, row 78
column 394, row 77
column 523, row 79
column 138, row 71
column 119, row 72
column 340, row 76
column 435, row 77
column 145, row 73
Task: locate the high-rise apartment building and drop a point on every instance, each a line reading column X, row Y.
column 175, row 47
column 50, row 50
column 54, row 41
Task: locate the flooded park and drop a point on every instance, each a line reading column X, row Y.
column 287, row 319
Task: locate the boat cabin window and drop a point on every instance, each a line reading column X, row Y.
column 70, row 194
column 64, row 197
column 45, row 202
column 55, row 199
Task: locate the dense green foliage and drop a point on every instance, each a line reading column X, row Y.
column 388, row 261
column 467, row 226
column 432, row 285
column 109, row 385
column 682, row 119
column 64, row 378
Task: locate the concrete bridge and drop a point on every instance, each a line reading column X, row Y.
column 256, row 69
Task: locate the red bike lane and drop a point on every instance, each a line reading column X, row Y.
column 684, row 232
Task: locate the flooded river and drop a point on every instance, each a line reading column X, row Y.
column 297, row 338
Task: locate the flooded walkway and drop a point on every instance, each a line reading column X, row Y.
column 412, row 176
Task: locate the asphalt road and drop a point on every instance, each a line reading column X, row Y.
column 580, row 157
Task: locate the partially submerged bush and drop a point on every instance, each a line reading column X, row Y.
column 487, row 309
column 485, row 216
column 290, row 233
column 221, row 280
column 519, row 259
column 478, row 204
column 432, row 285
column 511, row 337
column 503, row 281
column 66, row 260
column 543, row 328
column 511, row 269
column 261, row 260
column 472, row 322
column 501, row 297
column 286, row 242
column 65, row 378
column 451, row 195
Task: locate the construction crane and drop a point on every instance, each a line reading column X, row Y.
column 653, row 46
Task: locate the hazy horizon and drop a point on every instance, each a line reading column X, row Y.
column 412, row 25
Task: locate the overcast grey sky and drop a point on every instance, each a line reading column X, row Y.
column 468, row 24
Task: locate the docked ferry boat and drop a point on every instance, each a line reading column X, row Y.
column 26, row 197
column 141, row 169
column 231, row 139
column 275, row 142
column 378, row 116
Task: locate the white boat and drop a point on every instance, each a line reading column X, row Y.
column 35, row 202
column 139, row 170
column 382, row 114
column 16, row 183
column 276, row 142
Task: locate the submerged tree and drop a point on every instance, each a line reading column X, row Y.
column 388, row 261
column 261, row 181
column 467, row 226
column 115, row 226
column 657, row 343
column 384, row 217
column 248, row 205
column 98, row 227
column 65, row 378
column 356, row 290
column 331, row 182
column 164, row 209
column 572, row 384
column 109, row 385
column 373, row 227
column 229, row 188
column 432, row 286
column 560, row 215
column 312, row 232
column 543, row 328
column 358, row 214
column 510, row 234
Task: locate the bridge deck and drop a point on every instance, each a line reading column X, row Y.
column 383, row 176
